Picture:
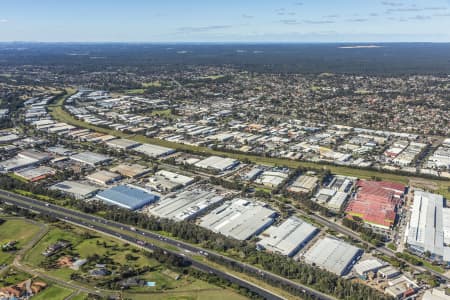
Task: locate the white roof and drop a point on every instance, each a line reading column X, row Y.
column 239, row 218
column 333, row 255
column 368, row 265
column 153, row 150
column 288, row 237
column 426, row 227
column 217, row 163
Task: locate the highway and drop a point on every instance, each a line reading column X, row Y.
column 127, row 233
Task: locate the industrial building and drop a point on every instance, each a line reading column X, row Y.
column 128, row 196
column 36, row 174
column 90, row 158
column 24, row 159
column 165, row 181
column 76, row 189
column 287, row 238
column 425, row 230
column 401, row 287
column 122, row 144
column 272, row 179
column 130, row 171
column 376, row 202
column 153, row 150
column 333, row 255
column 103, row 177
column 363, row 268
column 187, row 204
column 239, row 218
column 304, row 184
column 217, row 163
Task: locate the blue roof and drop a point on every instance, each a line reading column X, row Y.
column 127, row 196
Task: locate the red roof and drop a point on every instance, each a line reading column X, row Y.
column 376, row 201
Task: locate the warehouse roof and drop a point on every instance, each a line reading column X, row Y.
column 122, row 143
column 34, row 174
column 369, row 265
column 376, row 202
column 78, row 189
column 426, row 225
column 187, row 204
column 288, row 237
column 304, row 184
column 154, row 150
column 128, row 196
column 90, row 158
column 133, row 170
column 103, row 177
column 239, row 218
column 333, row 255
column 217, row 163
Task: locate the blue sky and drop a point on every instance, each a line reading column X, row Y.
column 225, row 20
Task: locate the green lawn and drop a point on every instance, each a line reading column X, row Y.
column 60, row 114
column 15, row 230
column 53, row 292
column 34, row 257
column 81, row 296
column 118, row 252
column 221, row 294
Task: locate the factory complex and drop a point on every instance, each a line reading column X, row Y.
column 376, row 202
column 429, row 227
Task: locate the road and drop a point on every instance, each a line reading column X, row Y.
column 126, row 233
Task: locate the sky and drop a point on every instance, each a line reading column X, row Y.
column 225, row 20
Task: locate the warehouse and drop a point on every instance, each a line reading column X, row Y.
column 187, row 204
column 128, row 196
column 130, row 171
column 40, row 157
column 272, row 179
column 425, row 230
column 376, row 202
column 303, row 184
column 165, row 181
column 9, row 138
column 217, row 163
column 91, row 158
column 17, row 163
column 333, row 255
column 154, row 150
column 239, row 218
column 287, row 238
column 36, row 174
column 122, row 144
column 103, row 177
column 76, row 189
column 363, row 268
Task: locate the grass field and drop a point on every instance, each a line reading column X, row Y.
column 53, row 292
column 221, row 294
column 184, row 288
column 60, row 114
column 15, row 230
column 81, row 296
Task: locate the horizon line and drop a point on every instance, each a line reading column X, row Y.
column 223, row 42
